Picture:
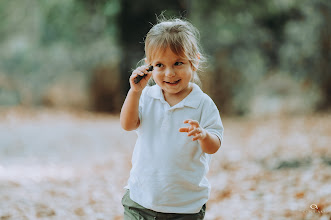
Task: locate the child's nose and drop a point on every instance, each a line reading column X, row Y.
column 170, row 72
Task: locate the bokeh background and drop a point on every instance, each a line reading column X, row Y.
column 64, row 69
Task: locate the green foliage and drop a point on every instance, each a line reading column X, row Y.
column 247, row 44
column 44, row 42
column 255, row 40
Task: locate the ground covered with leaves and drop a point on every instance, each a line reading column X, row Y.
column 70, row 165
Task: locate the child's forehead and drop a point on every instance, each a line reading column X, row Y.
column 166, row 53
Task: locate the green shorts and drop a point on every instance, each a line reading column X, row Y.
column 134, row 211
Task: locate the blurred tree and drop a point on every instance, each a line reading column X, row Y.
column 47, row 43
column 96, row 43
column 325, row 54
column 250, row 41
column 275, row 23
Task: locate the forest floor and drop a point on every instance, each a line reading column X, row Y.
column 73, row 165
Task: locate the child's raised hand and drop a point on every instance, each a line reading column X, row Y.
column 140, row 71
column 194, row 129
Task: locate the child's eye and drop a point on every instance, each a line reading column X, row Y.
column 179, row 63
column 159, row 65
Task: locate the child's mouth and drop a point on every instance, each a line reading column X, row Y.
column 172, row 82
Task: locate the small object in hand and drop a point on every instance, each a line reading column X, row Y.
column 138, row 78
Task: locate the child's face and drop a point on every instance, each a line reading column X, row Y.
column 172, row 73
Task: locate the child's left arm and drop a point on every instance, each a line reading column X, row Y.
column 209, row 142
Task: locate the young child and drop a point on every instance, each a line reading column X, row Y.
column 170, row 159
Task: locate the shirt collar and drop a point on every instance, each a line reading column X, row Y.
column 192, row 100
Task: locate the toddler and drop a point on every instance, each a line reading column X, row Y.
column 170, row 159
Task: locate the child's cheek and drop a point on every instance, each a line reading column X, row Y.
column 155, row 73
column 157, row 76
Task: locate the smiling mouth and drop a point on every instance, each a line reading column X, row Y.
column 173, row 82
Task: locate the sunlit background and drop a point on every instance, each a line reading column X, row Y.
column 64, row 69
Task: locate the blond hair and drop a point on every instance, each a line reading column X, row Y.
column 178, row 35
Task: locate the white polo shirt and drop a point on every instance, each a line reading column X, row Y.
column 169, row 169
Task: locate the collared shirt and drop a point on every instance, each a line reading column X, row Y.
column 169, row 169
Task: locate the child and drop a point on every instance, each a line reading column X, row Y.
column 168, row 175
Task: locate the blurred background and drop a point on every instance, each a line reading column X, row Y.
column 263, row 57
column 64, row 70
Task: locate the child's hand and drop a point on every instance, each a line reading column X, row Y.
column 141, row 71
column 194, row 129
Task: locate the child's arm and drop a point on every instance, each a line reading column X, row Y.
column 129, row 116
column 130, row 111
column 209, row 142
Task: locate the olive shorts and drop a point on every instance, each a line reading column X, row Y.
column 134, row 211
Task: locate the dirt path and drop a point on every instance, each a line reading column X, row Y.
column 65, row 165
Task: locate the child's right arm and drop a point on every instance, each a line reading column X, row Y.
column 130, row 110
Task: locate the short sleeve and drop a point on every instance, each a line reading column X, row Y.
column 211, row 119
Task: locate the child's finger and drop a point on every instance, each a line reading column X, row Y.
column 140, row 71
column 194, row 132
column 192, row 122
column 144, row 72
column 148, row 75
column 139, row 77
column 197, row 137
column 184, row 129
column 133, row 75
column 144, row 69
